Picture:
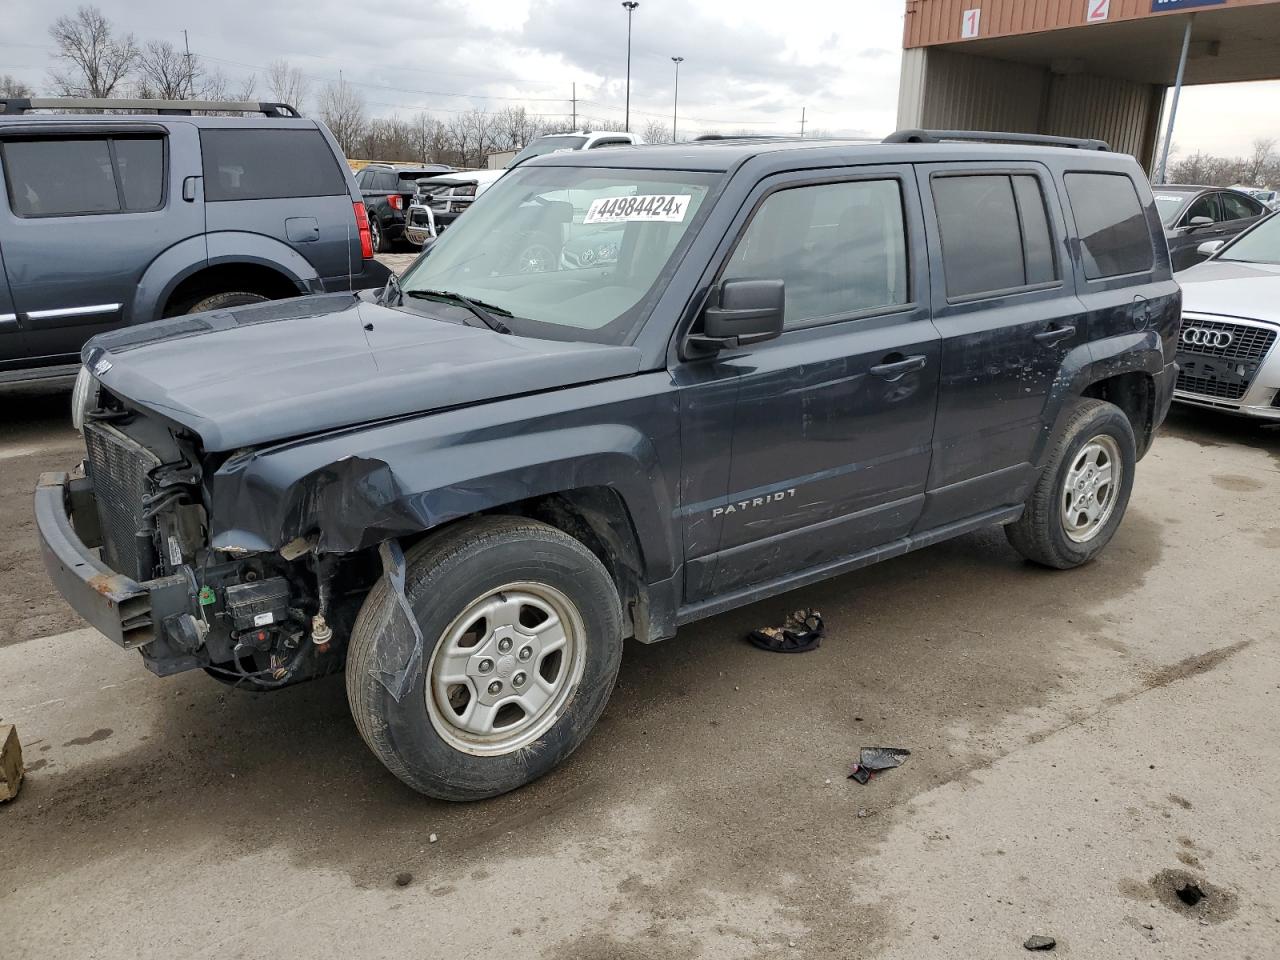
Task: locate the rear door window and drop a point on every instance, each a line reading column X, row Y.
column 995, row 233
column 840, row 249
column 1237, row 208
column 140, row 161
column 248, row 164
column 1115, row 238
column 84, row 175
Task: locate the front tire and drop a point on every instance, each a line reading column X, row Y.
column 522, row 639
column 1081, row 496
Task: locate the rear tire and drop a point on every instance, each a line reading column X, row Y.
column 476, row 591
column 1081, row 496
column 223, row 301
column 377, row 238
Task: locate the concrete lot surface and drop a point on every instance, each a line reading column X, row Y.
column 1082, row 744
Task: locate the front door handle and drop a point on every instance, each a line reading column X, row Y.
column 1054, row 334
column 893, row 369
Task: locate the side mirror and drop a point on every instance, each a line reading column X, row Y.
column 749, row 311
column 1210, row 247
column 1196, row 222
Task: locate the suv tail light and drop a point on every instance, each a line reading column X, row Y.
column 362, row 224
column 395, row 201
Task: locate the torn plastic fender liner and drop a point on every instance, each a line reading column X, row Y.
column 400, row 651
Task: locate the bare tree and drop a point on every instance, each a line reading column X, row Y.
column 655, row 131
column 94, row 61
column 430, row 139
column 286, row 84
column 166, row 72
column 1257, row 163
column 10, row 86
column 343, row 111
column 513, row 128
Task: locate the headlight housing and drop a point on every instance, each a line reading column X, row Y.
column 84, row 397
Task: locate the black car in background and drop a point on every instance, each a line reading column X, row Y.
column 388, row 189
column 1193, row 214
column 119, row 219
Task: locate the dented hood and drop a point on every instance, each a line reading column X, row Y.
column 271, row 371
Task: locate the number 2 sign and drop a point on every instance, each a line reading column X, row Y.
column 1098, row 11
column 970, row 23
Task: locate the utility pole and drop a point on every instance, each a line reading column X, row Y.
column 186, row 46
column 802, row 112
column 675, row 103
column 1177, row 93
column 574, row 100
column 630, row 6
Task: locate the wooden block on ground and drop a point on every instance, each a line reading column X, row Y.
column 10, row 762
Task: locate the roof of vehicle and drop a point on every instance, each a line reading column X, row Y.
column 718, row 156
column 211, row 120
column 466, row 176
column 405, row 167
column 1183, row 187
column 123, row 109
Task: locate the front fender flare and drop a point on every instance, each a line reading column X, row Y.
column 353, row 503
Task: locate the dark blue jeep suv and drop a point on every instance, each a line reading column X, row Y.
column 469, row 489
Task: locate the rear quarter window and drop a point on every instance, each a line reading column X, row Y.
column 1115, row 238
column 248, row 164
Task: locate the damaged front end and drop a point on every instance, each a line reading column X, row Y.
column 127, row 541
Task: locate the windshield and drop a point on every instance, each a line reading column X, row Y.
column 520, row 248
column 1170, row 206
column 547, row 145
column 1259, row 245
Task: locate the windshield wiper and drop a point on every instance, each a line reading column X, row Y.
column 392, row 287
column 484, row 311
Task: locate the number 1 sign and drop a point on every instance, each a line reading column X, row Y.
column 969, row 24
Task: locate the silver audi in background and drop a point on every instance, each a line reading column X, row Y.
column 1227, row 354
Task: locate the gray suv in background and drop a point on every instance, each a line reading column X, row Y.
column 108, row 220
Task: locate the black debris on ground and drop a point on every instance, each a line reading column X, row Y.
column 799, row 633
column 404, row 879
column 1039, row 942
column 873, row 760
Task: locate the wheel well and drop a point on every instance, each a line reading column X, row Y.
column 1134, row 393
column 226, row 277
column 599, row 519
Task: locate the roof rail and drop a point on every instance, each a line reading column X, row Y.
column 986, row 136
column 19, row 105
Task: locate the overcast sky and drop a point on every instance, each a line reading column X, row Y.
column 747, row 65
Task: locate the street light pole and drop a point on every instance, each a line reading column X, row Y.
column 631, row 8
column 675, row 103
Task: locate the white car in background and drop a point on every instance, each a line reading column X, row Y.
column 578, row 140
column 1227, row 354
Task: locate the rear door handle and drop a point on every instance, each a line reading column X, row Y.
column 893, row 369
column 189, row 189
column 1054, row 334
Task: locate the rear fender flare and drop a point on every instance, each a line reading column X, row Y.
column 1136, row 352
column 234, row 246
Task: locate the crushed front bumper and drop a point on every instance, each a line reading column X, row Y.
column 129, row 613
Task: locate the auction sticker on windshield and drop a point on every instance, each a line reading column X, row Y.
column 657, row 207
column 1171, row 197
